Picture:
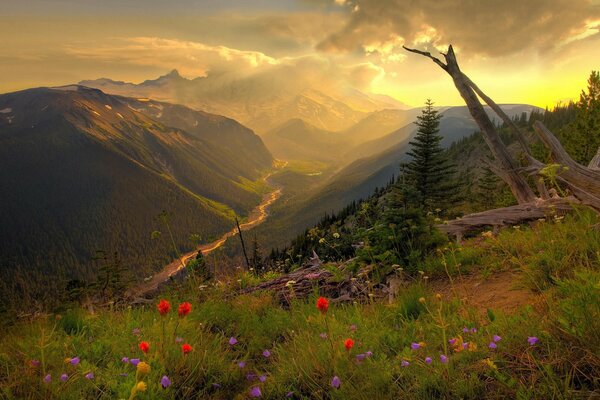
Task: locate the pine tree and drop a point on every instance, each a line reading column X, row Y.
column 586, row 127
column 487, row 188
column 429, row 171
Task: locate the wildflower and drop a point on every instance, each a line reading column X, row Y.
column 165, row 382
column 163, row 307
column 250, row 376
column 422, row 300
column 124, row 374
column 186, row 348
column 404, row 363
column 322, row 241
column 492, row 345
column 144, row 346
column 369, row 353
column 348, row 344
column 184, row 309
column 353, row 327
column 48, row 378
column 134, row 361
column 266, row 354
column 443, row 358
column 241, row 364
column 490, row 363
column 323, row 304
column 255, row 392
column 323, row 335
column 34, row 363
column 465, row 345
column 125, row 360
column 415, row 346
column 452, row 341
column 496, row 338
column 74, row 360
column 178, row 340
column 262, row 378
column 141, row 387
column 360, row 357
column 532, row 340
column 136, row 331
column 336, row 235
column 143, row 368
column 64, row 377
column 232, row 341
column 336, row 382
column 89, row 375
column 289, row 394
column 466, row 330
column 216, row 385
column 473, row 330
column 428, row 360
column 290, row 283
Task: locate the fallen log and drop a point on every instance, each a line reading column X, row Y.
column 507, row 216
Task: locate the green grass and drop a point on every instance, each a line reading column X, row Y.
column 558, row 259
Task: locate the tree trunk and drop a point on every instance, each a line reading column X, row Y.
column 518, row 184
column 595, row 163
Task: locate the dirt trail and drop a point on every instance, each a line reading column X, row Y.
column 256, row 217
column 501, row 291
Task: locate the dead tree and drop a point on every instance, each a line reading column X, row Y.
column 583, row 182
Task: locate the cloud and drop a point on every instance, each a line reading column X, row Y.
column 477, row 27
column 191, row 58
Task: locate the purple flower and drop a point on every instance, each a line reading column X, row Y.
column 336, row 382
column 216, row 385
column 496, row 338
column 165, row 382
column 452, row 341
column 74, row 361
column 466, row 330
column 134, row 361
column 178, row 340
column 125, row 360
column 443, row 358
column 532, row 340
column 136, row 331
column 255, row 392
column 323, row 335
column 369, row 353
column 64, row 377
column 262, row 378
column 266, row 354
column 465, row 345
column 289, row 394
column 48, row 378
column 34, row 363
column 250, row 376
column 415, row 346
column 242, row 364
column 353, row 327
column 473, row 330
column 232, row 341
column 428, row 360
column 360, row 357
column 492, row 345
column 89, row 375
column 404, row 363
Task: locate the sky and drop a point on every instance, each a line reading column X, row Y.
column 539, row 52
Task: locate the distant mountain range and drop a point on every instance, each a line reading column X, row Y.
column 262, row 101
column 81, row 171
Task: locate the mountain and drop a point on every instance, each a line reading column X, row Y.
column 262, row 101
column 82, row 171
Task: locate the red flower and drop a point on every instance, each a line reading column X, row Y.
column 184, row 309
column 144, row 346
column 186, row 348
column 163, row 307
column 349, row 344
column 322, row 304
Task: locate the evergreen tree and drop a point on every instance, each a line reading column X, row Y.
column 257, row 259
column 487, row 188
column 429, row 170
column 585, row 130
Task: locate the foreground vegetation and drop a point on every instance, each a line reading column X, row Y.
column 424, row 345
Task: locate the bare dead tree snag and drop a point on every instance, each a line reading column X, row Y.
column 506, row 164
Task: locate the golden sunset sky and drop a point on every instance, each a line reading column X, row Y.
column 519, row 51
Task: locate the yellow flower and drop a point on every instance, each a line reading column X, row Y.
column 141, row 386
column 422, row 300
column 143, row 368
column 422, row 344
column 490, row 363
column 438, row 296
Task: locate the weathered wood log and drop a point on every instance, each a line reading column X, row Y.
column 509, row 216
column 595, row 163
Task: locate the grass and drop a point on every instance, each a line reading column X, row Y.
column 558, row 259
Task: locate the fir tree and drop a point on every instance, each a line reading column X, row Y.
column 429, row 170
column 487, row 188
column 585, row 130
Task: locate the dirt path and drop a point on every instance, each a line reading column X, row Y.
column 502, row 291
column 256, row 217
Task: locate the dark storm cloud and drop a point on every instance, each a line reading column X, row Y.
column 477, row 27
